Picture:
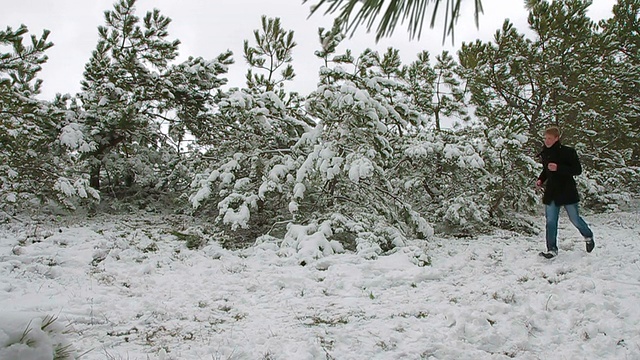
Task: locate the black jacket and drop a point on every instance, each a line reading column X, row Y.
column 560, row 186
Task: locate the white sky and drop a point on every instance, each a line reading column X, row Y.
column 208, row 27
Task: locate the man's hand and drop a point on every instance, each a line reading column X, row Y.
column 552, row 167
column 539, row 183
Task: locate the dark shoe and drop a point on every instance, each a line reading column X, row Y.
column 549, row 254
column 590, row 244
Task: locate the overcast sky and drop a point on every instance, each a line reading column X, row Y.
column 209, row 27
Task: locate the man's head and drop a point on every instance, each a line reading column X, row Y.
column 551, row 136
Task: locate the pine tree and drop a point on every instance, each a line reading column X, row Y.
column 505, row 81
column 138, row 108
column 33, row 156
column 347, row 175
column 444, row 176
column 421, row 79
column 329, row 42
column 568, row 75
column 251, row 131
column 621, row 39
column 449, row 96
column 612, row 134
column 436, row 90
column 272, row 52
column 436, row 163
column 330, row 178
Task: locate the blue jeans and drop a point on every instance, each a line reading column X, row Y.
column 552, row 212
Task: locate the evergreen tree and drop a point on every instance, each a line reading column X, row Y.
column 449, row 96
column 444, row 176
column 330, row 179
column 273, row 51
column 443, row 170
column 329, row 41
column 505, row 81
column 564, row 76
column 347, row 177
column 33, row 158
column 421, row 78
column 510, row 98
column 612, row 136
column 621, row 38
column 137, row 107
column 251, row 131
column 436, row 90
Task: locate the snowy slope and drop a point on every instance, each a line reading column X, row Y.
column 125, row 288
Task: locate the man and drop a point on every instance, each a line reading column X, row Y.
column 560, row 165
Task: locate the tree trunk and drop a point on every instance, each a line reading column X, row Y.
column 94, row 177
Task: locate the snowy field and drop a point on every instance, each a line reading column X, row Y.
column 126, row 288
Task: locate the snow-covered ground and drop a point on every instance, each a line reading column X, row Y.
column 126, row 288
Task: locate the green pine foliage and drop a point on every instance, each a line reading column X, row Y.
column 571, row 75
column 273, row 52
column 345, row 172
column 251, row 131
column 617, row 99
column 420, row 78
column 415, row 12
column 34, row 161
column 368, row 161
column 138, row 109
